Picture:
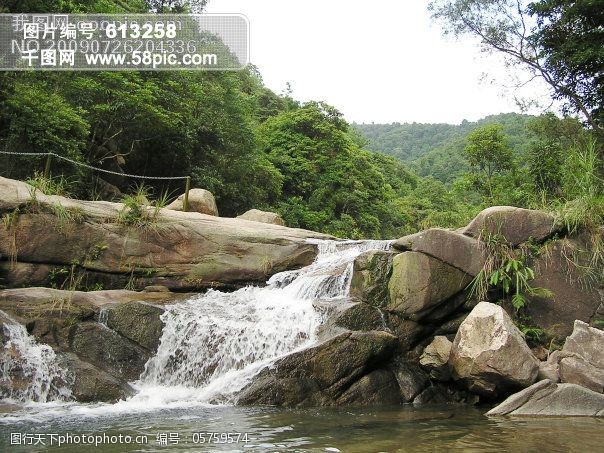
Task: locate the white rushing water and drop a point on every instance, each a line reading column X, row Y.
column 28, row 371
column 213, row 344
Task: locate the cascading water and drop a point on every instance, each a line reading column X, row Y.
column 29, row 371
column 213, row 344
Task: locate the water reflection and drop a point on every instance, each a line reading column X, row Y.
column 406, row 429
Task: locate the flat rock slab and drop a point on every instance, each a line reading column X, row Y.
column 181, row 250
column 546, row 398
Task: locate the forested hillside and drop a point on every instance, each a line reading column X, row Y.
column 253, row 148
column 437, row 149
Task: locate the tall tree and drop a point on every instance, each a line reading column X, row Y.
column 489, row 155
column 570, row 35
column 561, row 42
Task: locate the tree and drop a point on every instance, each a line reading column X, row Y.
column 570, row 35
column 489, row 154
column 552, row 139
column 563, row 47
column 176, row 6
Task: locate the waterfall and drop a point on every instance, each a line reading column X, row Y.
column 217, row 342
column 212, row 344
column 28, row 371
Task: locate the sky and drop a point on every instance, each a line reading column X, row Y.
column 378, row 61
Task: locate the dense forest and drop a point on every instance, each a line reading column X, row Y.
column 254, row 148
column 437, row 150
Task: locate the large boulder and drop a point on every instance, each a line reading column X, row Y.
column 574, row 294
column 371, row 271
column 419, row 283
column 489, row 354
column 326, row 374
column 180, row 250
column 109, row 351
column 457, row 250
column 548, row 398
column 583, row 361
column 90, row 384
column 200, row 200
column 256, row 215
column 516, row 225
column 363, row 317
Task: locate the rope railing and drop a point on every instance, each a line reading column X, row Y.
column 50, row 155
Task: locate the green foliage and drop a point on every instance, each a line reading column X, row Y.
column 571, row 43
column 329, row 183
column 50, row 186
column 505, row 270
column 489, row 156
column 66, row 216
column 563, row 48
column 534, row 335
column 437, row 150
column 136, row 211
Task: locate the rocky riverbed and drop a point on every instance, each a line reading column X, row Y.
column 367, row 324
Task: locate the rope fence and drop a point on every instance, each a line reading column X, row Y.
column 48, row 164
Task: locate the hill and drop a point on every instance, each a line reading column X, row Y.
column 436, row 149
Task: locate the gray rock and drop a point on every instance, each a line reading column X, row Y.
column 105, row 349
column 583, row 361
column 445, row 309
column 516, row 225
column 586, row 342
column 489, row 354
column 436, row 358
column 550, row 368
column 371, row 271
column 577, row 370
column 547, row 398
column 513, row 402
column 256, row 215
column 407, row 332
column 362, row 316
column 411, row 379
column 137, row 321
column 200, row 200
column 379, row 387
column 319, row 376
column 91, row 384
column 460, row 251
column 451, row 326
column 419, row 283
column 571, row 297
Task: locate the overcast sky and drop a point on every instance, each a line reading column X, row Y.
column 376, row 61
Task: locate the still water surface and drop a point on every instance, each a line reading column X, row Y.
column 400, row 429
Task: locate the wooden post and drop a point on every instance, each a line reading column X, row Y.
column 185, row 204
column 47, row 166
